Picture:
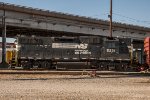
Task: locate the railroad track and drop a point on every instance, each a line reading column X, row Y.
column 81, row 72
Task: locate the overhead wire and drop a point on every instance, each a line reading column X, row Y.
column 124, row 19
column 136, row 20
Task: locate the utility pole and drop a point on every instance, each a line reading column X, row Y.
column 110, row 16
column 4, row 64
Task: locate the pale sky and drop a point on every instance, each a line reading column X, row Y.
column 125, row 11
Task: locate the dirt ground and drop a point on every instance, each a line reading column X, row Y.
column 68, row 87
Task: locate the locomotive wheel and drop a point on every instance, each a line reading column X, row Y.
column 26, row 65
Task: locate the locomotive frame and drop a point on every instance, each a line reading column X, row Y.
column 82, row 52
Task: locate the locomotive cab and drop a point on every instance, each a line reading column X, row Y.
column 110, row 48
column 115, row 53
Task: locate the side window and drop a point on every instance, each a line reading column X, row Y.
column 111, row 45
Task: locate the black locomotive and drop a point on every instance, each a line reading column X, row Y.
column 80, row 52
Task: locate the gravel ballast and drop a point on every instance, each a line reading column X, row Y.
column 73, row 87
